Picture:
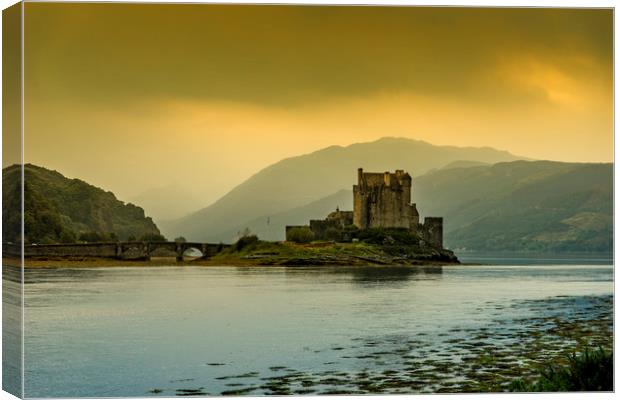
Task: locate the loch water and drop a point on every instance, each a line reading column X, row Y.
column 165, row 331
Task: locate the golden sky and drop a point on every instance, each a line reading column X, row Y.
column 134, row 96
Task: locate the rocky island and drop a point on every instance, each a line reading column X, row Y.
column 399, row 249
column 383, row 229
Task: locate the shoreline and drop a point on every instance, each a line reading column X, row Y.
column 239, row 262
column 260, row 253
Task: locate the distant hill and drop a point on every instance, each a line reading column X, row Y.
column 272, row 227
column 167, row 202
column 522, row 206
column 58, row 209
column 299, row 181
column 517, row 206
column 464, row 164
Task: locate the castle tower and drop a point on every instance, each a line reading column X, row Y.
column 383, row 200
column 360, row 202
column 380, row 200
column 433, row 231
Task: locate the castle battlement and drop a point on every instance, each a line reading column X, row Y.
column 380, row 200
column 383, row 200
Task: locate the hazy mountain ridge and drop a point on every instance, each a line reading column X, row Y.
column 167, row 202
column 522, row 206
column 516, row 206
column 272, row 227
column 59, row 209
column 301, row 180
column 464, row 164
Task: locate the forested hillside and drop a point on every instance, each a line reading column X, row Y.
column 58, row 209
column 522, row 206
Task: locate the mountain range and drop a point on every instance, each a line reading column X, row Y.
column 300, row 181
column 535, row 206
column 490, row 200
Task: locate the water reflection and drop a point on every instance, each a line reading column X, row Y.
column 39, row 275
column 294, row 330
column 381, row 276
column 362, row 276
column 11, row 330
column 370, row 276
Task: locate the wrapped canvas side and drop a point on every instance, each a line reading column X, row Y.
column 12, row 201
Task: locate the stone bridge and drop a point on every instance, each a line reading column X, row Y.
column 118, row 250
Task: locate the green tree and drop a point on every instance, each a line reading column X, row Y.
column 152, row 237
column 91, row 237
column 60, row 210
column 333, row 233
column 67, row 237
column 246, row 241
column 301, row 234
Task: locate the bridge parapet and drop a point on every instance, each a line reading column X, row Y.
column 134, row 250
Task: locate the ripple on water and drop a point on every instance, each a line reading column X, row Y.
column 483, row 359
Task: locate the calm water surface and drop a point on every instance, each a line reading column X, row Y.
column 507, row 258
column 191, row 330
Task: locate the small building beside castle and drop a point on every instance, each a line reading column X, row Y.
column 380, row 200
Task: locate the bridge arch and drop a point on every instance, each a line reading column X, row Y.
column 192, row 253
column 161, row 249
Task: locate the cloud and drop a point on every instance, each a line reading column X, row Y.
column 575, row 82
column 214, row 145
column 290, row 55
column 208, row 94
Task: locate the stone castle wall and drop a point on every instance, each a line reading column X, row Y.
column 384, row 201
column 432, row 231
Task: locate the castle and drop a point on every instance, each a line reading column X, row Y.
column 380, row 200
column 383, row 200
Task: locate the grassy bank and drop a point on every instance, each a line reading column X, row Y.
column 249, row 252
column 329, row 253
column 592, row 370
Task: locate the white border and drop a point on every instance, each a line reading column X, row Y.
column 474, row 3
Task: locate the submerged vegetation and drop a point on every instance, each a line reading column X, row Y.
column 508, row 354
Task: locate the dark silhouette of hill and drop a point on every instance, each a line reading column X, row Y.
column 58, row 209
